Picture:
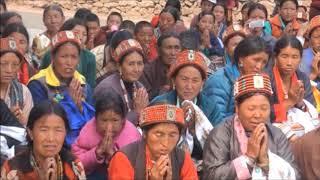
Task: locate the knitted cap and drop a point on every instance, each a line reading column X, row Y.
column 189, row 57
column 252, row 83
column 10, row 44
column 161, row 114
column 64, row 37
column 314, row 23
column 124, row 47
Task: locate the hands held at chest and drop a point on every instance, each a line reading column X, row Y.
column 295, row 95
column 49, row 170
column 162, row 169
column 257, row 148
column 76, row 92
column 205, row 39
column 105, row 148
column 140, row 100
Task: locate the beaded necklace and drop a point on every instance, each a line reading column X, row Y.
column 126, row 95
column 35, row 165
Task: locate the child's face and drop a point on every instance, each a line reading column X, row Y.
column 206, row 23
column 113, row 20
column 93, row 29
column 206, row 6
column 144, row 35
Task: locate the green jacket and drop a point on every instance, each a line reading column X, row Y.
column 87, row 65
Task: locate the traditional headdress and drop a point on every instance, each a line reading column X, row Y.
column 161, row 114
column 10, row 44
column 63, row 37
column 124, row 47
column 252, row 83
column 189, row 57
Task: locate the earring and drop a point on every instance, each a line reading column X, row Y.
column 240, row 65
column 120, row 72
column 173, row 87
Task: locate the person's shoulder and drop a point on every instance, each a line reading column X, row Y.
column 308, row 138
column 109, row 80
column 88, row 53
column 129, row 128
column 222, row 130
column 275, row 20
column 164, row 98
column 276, row 132
column 21, row 162
column 98, row 49
column 219, row 78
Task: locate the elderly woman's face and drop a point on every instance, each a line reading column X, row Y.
column 253, row 63
column 66, row 60
column 132, row 67
column 253, row 111
column 288, row 61
column 9, row 66
column 169, row 50
column 161, row 139
column 315, row 39
column 109, row 121
column 48, row 135
column 188, row 83
column 166, row 22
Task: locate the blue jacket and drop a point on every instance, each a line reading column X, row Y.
column 46, row 86
column 306, row 63
column 209, row 108
column 219, row 88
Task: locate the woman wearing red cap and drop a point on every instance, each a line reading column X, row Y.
column 129, row 58
column 188, row 75
column 62, row 83
column 15, row 99
column 247, row 146
column 16, row 95
column 156, row 155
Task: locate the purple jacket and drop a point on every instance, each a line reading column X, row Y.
column 85, row 145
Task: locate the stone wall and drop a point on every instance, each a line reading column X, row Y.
column 136, row 9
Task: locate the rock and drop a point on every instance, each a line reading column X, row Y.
column 188, row 3
column 147, row 4
column 98, row 4
column 186, row 11
column 110, row 5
